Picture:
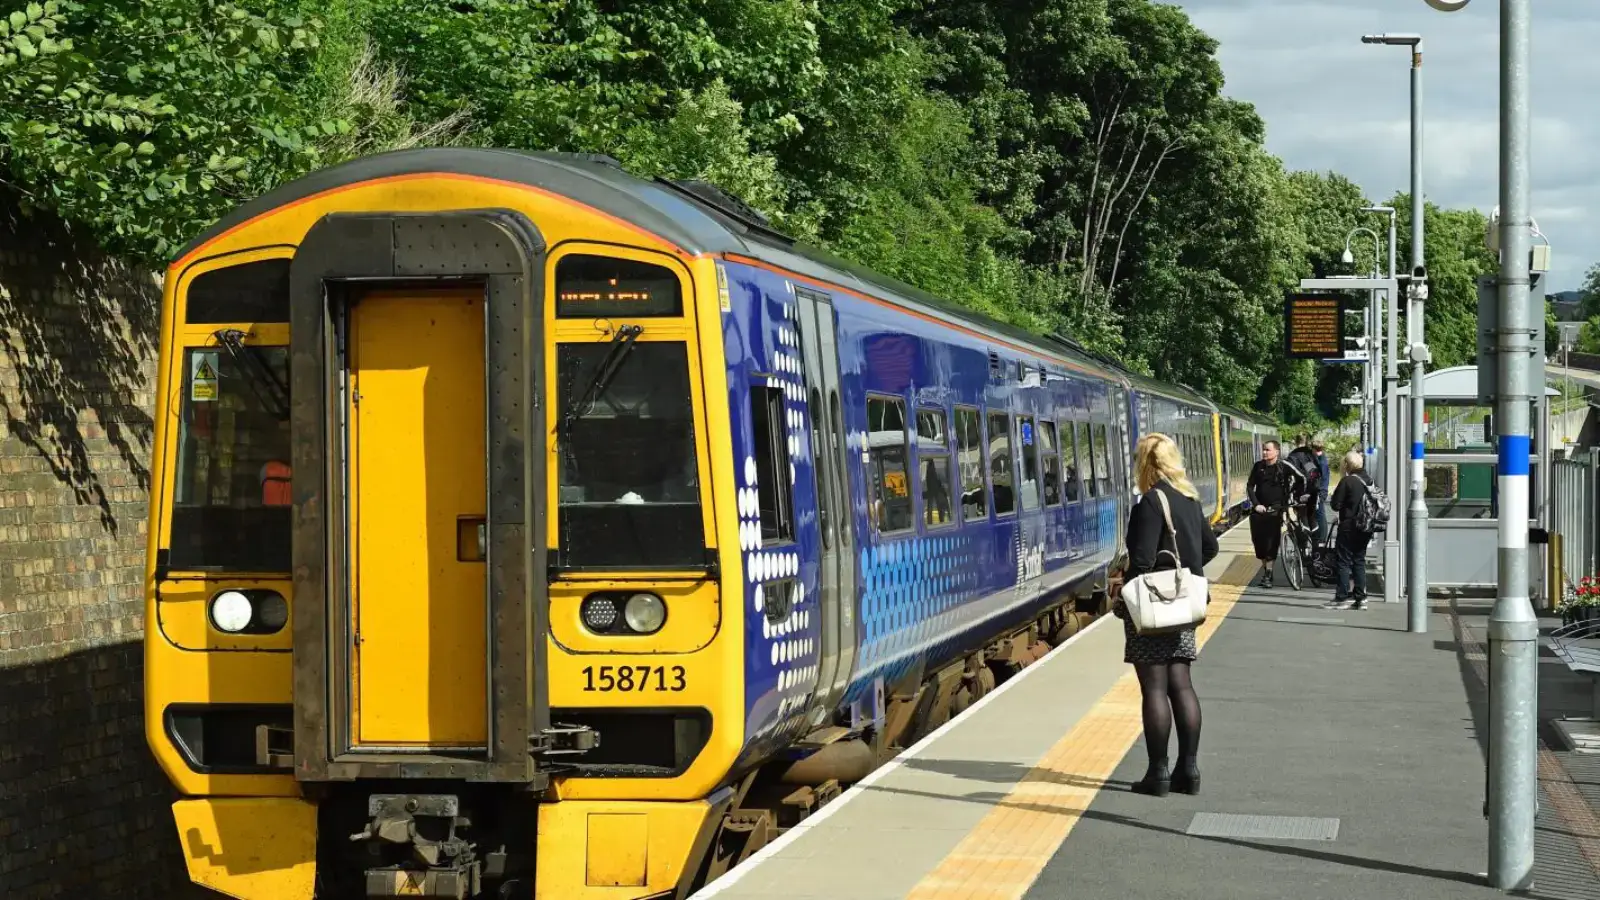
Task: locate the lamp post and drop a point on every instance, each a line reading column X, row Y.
column 1369, row 404
column 1417, row 513
column 1513, row 627
column 1391, row 422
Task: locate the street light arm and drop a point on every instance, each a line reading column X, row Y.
column 1405, row 40
column 1347, row 258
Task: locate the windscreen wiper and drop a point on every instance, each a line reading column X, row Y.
column 622, row 343
column 268, row 388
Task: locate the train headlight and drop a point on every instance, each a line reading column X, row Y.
column 249, row 612
column 645, row 613
column 599, row 612
column 231, row 611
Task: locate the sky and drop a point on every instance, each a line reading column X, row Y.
column 1332, row 102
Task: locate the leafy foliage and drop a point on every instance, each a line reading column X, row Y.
column 143, row 119
column 1064, row 165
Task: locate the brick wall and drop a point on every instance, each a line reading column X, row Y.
column 84, row 811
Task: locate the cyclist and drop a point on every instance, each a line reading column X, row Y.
column 1272, row 486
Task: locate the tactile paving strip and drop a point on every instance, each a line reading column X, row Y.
column 1003, row 855
column 1264, row 828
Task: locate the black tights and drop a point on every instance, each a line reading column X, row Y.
column 1168, row 695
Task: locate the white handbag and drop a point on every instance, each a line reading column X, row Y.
column 1168, row 600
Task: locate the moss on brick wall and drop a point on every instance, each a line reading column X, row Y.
column 84, row 811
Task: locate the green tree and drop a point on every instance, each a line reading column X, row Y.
column 1589, row 336
column 1456, row 258
column 140, row 118
column 1590, row 291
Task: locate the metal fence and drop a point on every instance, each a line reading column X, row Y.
column 1574, row 501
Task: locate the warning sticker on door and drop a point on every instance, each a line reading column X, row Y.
column 203, row 375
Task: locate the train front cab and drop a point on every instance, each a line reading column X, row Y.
column 397, row 554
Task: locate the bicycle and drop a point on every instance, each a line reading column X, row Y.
column 1296, row 546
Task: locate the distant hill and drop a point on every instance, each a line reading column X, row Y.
column 1566, row 305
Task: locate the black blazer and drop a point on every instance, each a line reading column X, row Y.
column 1147, row 533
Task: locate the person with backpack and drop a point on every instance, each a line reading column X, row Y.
column 1363, row 511
column 1304, row 461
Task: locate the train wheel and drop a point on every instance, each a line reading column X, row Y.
column 961, row 701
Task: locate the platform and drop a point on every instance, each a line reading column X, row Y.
column 1341, row 758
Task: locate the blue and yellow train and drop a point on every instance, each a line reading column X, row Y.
column 524, row 528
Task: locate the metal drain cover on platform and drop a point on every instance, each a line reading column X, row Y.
column 1280, row 828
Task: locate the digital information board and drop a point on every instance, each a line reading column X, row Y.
column 1314, row 329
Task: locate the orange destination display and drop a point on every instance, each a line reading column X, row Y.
column 1313, row 329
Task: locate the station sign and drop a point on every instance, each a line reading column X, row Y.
column 1314, row 326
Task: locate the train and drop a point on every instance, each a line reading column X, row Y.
column 523, row 527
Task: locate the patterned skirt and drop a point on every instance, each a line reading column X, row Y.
column 1152, row 649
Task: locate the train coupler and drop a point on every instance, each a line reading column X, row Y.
column 440, row 863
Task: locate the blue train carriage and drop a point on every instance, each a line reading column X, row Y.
column 969, row 499
column 1190, row 419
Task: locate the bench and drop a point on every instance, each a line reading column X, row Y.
column 1578, row 646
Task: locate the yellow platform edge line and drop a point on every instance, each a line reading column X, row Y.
column 1005, row 852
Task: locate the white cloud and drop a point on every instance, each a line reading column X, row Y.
column 1332, row 102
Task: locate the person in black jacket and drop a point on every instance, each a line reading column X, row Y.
column 1303, row 459
column 1273, row 485
column 1350, row 543
column 1162, row 660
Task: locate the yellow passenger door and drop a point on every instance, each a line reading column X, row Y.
column 418, row 496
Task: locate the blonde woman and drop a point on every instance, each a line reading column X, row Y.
column 1162, row 660
column 1350, row 542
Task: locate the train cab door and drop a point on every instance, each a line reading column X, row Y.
column 418, row 499
column 820, row 361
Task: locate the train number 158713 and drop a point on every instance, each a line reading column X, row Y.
column 633, row 678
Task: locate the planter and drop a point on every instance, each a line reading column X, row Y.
column 1575, row 614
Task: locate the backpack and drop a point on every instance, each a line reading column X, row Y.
column 1372, row 515
column 1305, row 462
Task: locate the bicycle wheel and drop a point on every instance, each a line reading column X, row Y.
column 1289, row 555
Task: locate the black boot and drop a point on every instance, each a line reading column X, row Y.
column 1186, row 780
column 1155, row 782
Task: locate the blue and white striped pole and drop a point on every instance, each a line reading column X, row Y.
column 1417, row 517
column 1417, row 339
column 1513, row 626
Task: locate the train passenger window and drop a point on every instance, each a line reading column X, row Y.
column 233, row 448
column 629, row 489
column 1069, row 461
column 1052, row 463
column 1087, row 460
column 969, row 459
column 773, row 490
column 933, row 461
column 890, row 509
column 1029, row 483
column 249, row 292
column 822, row 459
column 1102, row 461
column 600, row 286
column 1001, row 475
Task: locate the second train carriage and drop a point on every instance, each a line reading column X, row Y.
column 524, row 527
